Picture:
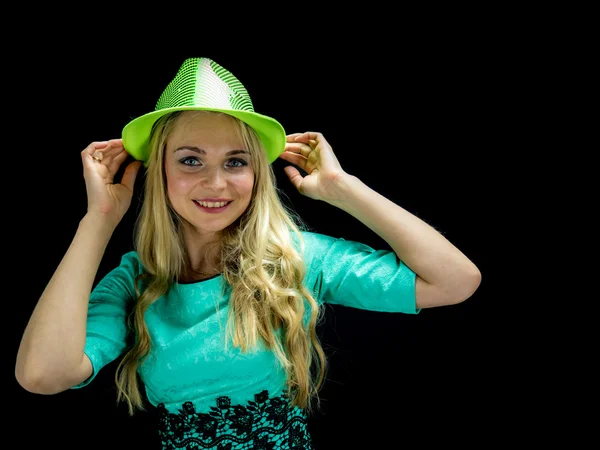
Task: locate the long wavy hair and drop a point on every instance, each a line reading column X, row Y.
column 262, row 269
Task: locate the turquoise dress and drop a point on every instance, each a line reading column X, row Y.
column 212, row 397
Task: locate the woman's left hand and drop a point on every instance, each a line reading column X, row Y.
column 313, row 154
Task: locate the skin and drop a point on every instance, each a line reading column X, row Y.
column 199, row 165
column 445, row 276
column 50, row 357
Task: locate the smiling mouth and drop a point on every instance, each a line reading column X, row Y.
column 215, row 205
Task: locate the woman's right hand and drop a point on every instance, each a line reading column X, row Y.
column 105, row 198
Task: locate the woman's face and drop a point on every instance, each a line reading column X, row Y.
column 208, row 170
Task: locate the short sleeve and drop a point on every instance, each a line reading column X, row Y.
column 353, row 274
column 106, row 326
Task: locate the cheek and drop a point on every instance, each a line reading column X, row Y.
column 244, row 185
column 181, row 184
column 177, row 186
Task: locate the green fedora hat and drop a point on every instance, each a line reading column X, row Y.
column 202, row 84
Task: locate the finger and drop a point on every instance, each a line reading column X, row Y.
column 322, row 149
column 87, row 160
column 116, row 161
column 313, row 140
column 309, row 135
column 86, row 154
column 130, row 174
column 294, row 176
column 291, row 137
column 97, row 145
column 114, row 147
column 294, row 158
column 103, row 150
column 298, row 147
column 306, row 165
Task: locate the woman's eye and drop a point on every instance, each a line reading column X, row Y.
column 189, row 161
column 237, row 162
column 193, row 161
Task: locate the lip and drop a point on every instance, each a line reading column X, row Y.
column 212, row 199
column 212, row 210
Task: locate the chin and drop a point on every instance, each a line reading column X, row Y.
column 212, row 227
column 213, row 223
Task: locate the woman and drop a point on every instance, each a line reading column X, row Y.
column 215, row 310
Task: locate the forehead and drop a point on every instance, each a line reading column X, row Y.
column 198, row 126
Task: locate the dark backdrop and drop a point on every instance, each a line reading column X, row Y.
column 417, row 122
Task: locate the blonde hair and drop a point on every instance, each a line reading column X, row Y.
column 263, row 272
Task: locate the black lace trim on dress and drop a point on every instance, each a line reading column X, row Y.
column 265, row 423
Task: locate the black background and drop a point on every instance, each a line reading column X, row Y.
column 418, row 116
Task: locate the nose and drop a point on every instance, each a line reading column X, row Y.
column 214, row 179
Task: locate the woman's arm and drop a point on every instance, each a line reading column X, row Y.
column 50, row 358
column 445, row 276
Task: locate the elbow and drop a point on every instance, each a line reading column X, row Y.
column 455, row 291
column 38, row 383
column 468, row 286
column 32, row 385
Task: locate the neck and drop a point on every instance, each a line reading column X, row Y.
column 203, row 254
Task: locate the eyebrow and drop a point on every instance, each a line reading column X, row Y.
column 203, row 152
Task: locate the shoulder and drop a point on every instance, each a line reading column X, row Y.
column 315, row 246
column 311, row 241
column 319, row 242
column 118, row 285
column 314, row 238
column 125, row 272
column 130, row 261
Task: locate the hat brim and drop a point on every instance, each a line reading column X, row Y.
column 136, row 134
